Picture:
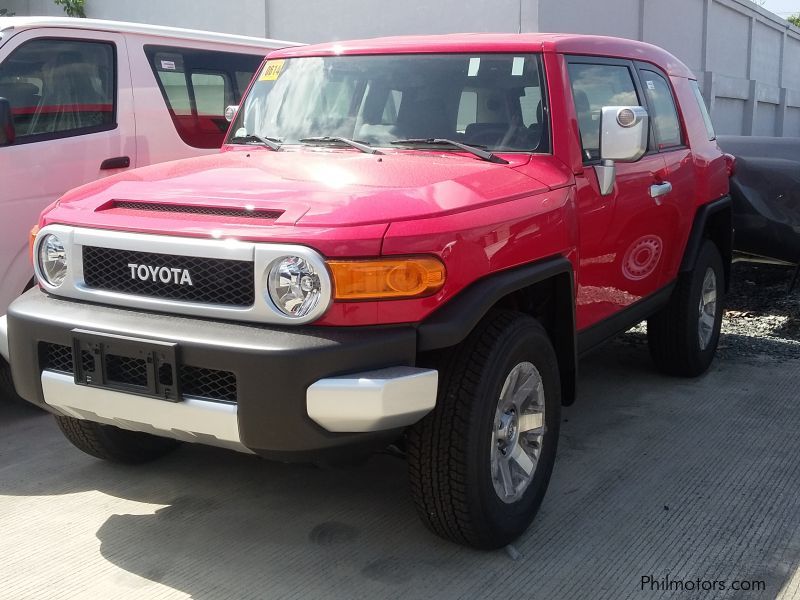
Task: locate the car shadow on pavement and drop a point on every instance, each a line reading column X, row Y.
column 654, row 476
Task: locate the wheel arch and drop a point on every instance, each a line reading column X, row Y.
column 544, row 290
column 712, row 221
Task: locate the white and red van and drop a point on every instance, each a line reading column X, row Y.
column 89, row 98
column 83, row 98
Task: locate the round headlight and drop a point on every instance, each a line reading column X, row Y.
column 52, row 260
column 295, row 286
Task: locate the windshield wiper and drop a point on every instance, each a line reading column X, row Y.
column 271, row 143
column 471, row 148
column 329, row 139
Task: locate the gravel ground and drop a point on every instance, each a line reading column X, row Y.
column 762, row 318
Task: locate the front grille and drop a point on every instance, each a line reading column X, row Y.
column 208, row 383
column 213, row 280
column 126, row 370
column 242, row 213
column 59, row 358
column 197, row 382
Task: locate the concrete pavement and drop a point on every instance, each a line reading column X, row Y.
column 655, row 477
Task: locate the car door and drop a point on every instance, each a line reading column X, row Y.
column 622, row 237
column 71, row 101
column 668, row 138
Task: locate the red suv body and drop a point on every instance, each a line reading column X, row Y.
column 404, row 240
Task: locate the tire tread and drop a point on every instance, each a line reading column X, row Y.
column 438, row 469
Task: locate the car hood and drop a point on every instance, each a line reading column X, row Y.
column 306, row 187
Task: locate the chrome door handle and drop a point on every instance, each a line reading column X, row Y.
column 660, row 189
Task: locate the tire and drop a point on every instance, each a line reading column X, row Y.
column 677, row 344
column 7, row 391
column 114, row 444
column 454, row 482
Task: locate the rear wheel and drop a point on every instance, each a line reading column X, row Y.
column 684, row 335
column 114, row 444
column 480, row 462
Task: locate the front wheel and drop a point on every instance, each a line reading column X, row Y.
column 684, row 335
column 480, row 462
column 112, row 443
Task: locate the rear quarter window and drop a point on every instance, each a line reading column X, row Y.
column 703, row 110
column 197, row 86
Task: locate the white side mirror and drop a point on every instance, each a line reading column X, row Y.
column 623, row 137
column 623, row 133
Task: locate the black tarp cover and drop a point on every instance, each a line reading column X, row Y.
column 766, row 195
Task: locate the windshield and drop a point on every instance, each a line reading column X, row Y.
column 495, row 101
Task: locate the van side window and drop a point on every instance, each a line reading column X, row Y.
column 197, row 86
column 60, row 88
column 665, row 120
column 593, row 87
column 213, row 92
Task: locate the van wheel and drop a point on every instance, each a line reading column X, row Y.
column 7, row 391
column 683, row 336
column 480, row 462
column 114, row 444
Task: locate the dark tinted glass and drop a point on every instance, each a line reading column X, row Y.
column 593, row 87
column 664, row 115
column 60, row 87
column 197, row 86
column 493, row 100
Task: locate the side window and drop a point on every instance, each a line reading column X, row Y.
column 393, row 100
column 213, row 93
column 531, row 106
column 60, row 88
column 703, row 110
column 596, row 86
column 666, row 124
column 242, row 81
column 197, row 86
column 467, row 110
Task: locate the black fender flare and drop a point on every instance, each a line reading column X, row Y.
column 453, row 322
column 719, row 211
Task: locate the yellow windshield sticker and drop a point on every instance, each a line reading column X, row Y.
column 271, row 70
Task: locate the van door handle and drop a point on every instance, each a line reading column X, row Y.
column 120, row 162
column 660, row 189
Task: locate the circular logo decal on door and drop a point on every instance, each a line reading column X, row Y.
column 641, row 259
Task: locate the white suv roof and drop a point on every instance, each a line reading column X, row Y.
column 21, row 23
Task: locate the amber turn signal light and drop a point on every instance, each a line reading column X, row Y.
column 31, row 240
column 383, row 279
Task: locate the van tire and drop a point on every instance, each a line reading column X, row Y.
column 107, row 442
column 673, row 334
column 451, row 452
column 7, row 391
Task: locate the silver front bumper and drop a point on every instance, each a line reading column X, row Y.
column 371, row 401
column 192, row 420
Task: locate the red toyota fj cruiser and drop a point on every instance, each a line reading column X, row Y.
column 403, row 241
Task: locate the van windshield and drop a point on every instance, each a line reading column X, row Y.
column 496, row 101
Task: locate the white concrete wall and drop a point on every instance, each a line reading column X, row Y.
column 322, row 20
column 747, row 59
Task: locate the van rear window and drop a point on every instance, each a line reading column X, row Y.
column 197, row 86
